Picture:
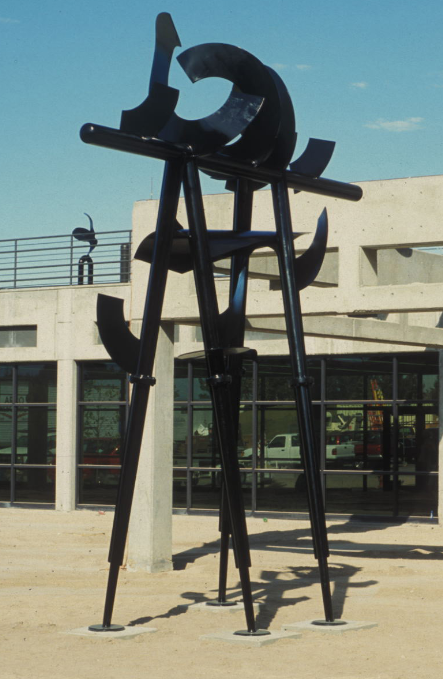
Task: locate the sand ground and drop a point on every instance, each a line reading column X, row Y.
column 54, row 571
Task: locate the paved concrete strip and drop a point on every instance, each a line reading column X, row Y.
column 127, row 633
column 251, row 641
column 347, row 626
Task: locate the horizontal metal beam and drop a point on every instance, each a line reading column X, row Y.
column 111, row 138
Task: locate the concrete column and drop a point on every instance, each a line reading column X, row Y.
column 440, row 438
column 150, row 528
column 66, row 435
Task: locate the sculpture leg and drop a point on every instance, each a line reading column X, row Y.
column 301, row 383
column 143, row 380
column 218, row 381
column 237, row 305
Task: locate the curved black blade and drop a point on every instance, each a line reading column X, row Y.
column 309, row 263
column 211, row 133
column 166, row 40
column 314, row 159
column 249, row 76
column 222, row 244
column 147, row 119
column 117, row 339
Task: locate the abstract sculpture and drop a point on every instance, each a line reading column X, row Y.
column 259, row 112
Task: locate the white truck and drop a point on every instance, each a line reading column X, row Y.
column 283, row 452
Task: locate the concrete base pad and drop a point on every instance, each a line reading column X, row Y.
column 255, row 642
column 346, row 626
column 221, row 610
column 127, row 633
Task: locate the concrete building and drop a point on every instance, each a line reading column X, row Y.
column 373, row 323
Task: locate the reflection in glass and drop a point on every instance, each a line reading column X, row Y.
column 353, row 378
column 5, row 484
column 180, row 437
column 281, row 492
column 5, row 384
column 179, row 488
column 98, row 486
column 36, row 440
column 102, row 381
column 200, row 388
column 359, row 494
column 101, row 434
column 5, row 435
column 37, row 383
column 418, row 376
column 35, row 485
column 418, row 495
column 181, row 381
column 204, row 442
column 206, row 486
column 274, row 379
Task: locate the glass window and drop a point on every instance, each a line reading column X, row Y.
column 35, row 485
column 418, row 495
column 359, row 494
column 353, row 378
column 181, row 380
column 418, row 376
column 179, row 488
column 98, row 486
column 200, row 388
column 5, row 434
column 36, row 440
column 206, row 486
column 37, row 383
column 102, row 431
column 102, row 381
column 180, row 437
column 274, row 379
column 5, row 384
column 281, row 492
column 18, row 336
column 205, row 451
column 5, row 484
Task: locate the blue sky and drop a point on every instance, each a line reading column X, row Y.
column 367, row 74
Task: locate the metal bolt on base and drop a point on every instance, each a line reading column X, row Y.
column 257, row 633
column 329, row 623
column 108, row 628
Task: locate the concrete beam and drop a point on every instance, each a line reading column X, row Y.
column 361, row 329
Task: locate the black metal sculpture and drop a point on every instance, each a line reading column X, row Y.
column 87, row 236
column 258, row 111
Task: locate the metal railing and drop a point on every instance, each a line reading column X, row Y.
column 44, row 261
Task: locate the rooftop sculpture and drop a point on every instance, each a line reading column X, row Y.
column 259, row 112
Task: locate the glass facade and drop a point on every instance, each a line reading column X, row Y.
column 376, row 423
column 102, row 413
column 28, row 395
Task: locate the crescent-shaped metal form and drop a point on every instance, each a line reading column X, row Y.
column 314, row 159
column 308, row 265
column 88, row 235
column 222, row 244
column 248, row 75
column 122, row 346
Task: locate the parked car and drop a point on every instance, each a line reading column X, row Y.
column 283, row 452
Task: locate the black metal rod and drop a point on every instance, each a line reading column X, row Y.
column 218, row 380
column 297, row 353
column 237, row 291
column 140, row 393
column 157, row 148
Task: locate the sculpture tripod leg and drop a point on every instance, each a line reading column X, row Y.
column 142, row 381
column 301, row 383
column 237, row 305
column 219, row 383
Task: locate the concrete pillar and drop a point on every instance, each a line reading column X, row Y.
column 150, row 528
column 440, row 438
column 66, row 435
